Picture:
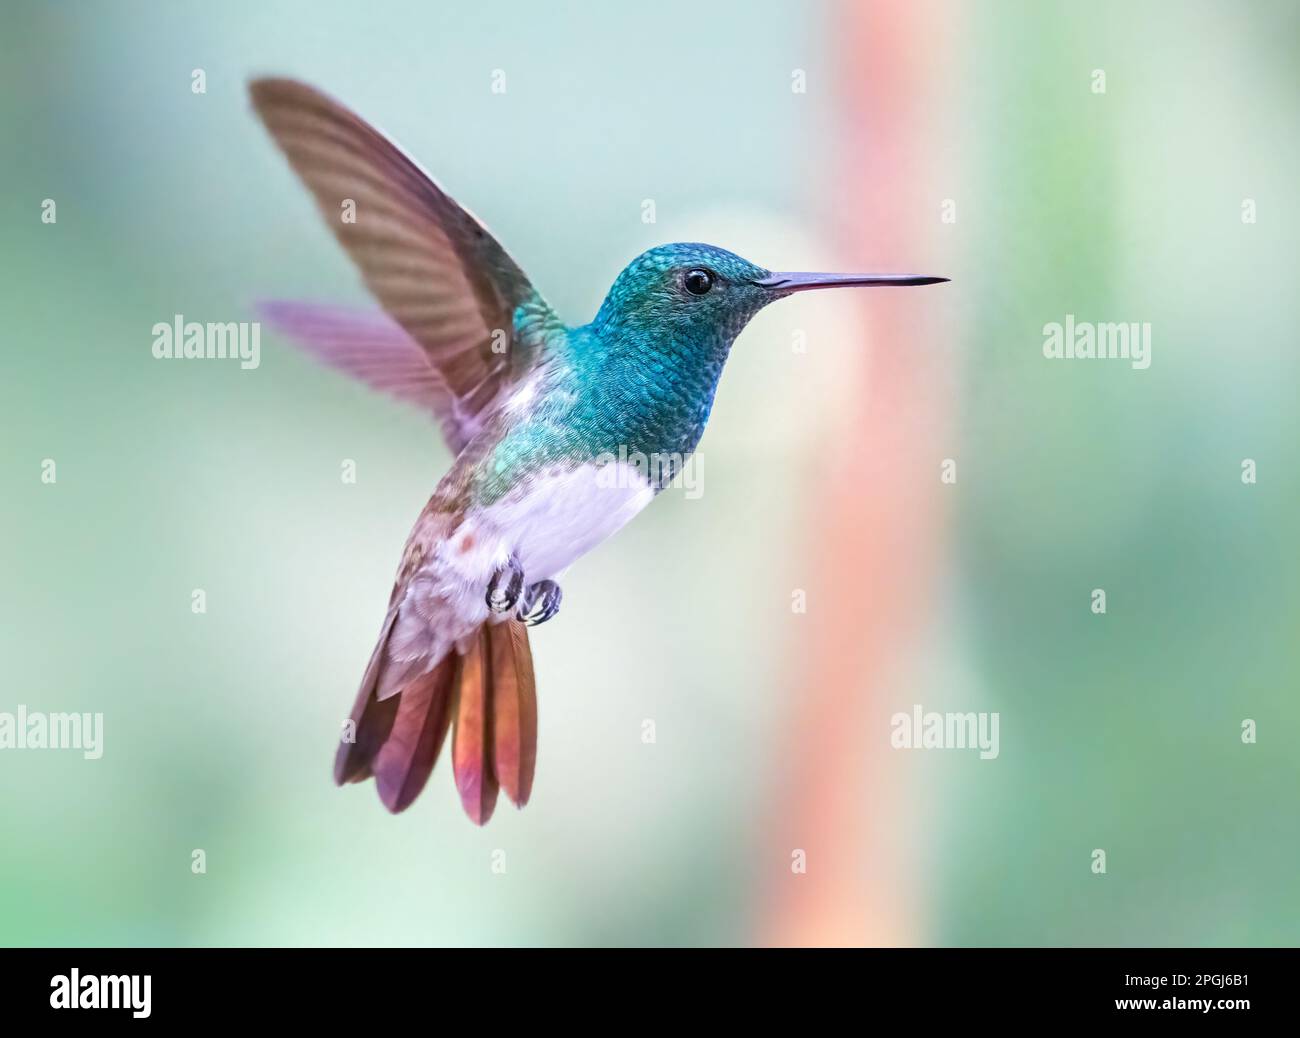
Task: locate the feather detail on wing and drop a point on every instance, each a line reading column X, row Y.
column 374, row 349
column 431, row 264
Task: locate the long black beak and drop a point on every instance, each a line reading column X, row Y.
column 788, row 281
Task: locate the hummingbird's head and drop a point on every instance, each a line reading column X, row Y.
column 664, row 331
column 686, row 289
column 706, row 294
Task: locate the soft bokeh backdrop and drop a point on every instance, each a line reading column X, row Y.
column 821, row 473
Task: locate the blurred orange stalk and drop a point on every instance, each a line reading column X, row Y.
column 843, row 798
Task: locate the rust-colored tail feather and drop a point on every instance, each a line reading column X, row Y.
column 404, row 762
column 471, row 750
column 372, row 720
column 514, row 711
column 489, row 695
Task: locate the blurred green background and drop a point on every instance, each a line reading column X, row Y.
column 1119, row 732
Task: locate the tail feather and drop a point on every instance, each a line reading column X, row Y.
column 471, row 749
column 404, row 762
column 489, row 696
column 372, row 720
column 514, row 711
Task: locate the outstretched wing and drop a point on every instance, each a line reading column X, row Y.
column 445, row 281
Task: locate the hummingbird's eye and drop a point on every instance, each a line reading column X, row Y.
column 698, row 282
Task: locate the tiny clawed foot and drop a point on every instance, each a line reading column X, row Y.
column 541, row 603
column 505, row 587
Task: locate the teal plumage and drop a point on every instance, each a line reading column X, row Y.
column 640, row 378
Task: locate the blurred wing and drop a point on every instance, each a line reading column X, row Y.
column 374, row 349
column 433, row 267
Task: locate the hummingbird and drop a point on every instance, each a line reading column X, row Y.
column 549, row 424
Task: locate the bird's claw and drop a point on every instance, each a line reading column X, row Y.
column 505, row 587
column 540, row 603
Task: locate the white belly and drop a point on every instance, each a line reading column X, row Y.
column 556, row 519
column 547, row 525
column 563, row 516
